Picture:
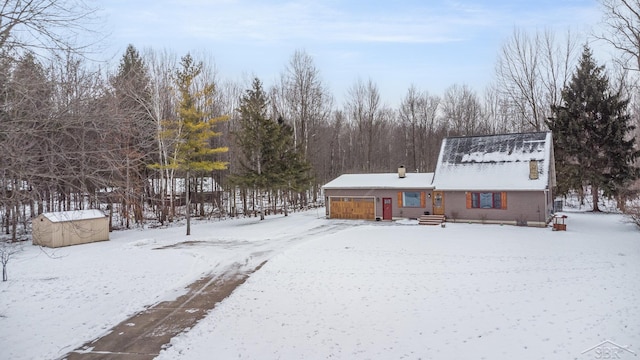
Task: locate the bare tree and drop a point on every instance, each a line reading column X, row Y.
column 383, row 157
column 498, row 112
column 306, row 97
column 364, row 110
column 161, row 108
column 559, row 57
column 25, row 137
column 622, row 19
column 336, row 147
column 228, row 97
column 531, row 72
column 409, row 116
column 53, row 125
column 43, row 24
column 302, row 100
column 81, row 121
column 417, row 115
column 7, row 251
column 518, row 75
column 462, row 111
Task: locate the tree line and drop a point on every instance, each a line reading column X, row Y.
column 161, row 137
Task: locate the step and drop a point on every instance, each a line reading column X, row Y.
column 431, row 219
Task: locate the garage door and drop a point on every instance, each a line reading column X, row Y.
column 352, row 208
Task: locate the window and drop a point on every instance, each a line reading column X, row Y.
column 411, row 199
column 487, row 200
column 437, row 199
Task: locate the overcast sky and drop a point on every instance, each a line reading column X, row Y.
column 432, row 44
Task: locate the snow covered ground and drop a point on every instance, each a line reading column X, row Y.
column 57, row 299
column 345, row 289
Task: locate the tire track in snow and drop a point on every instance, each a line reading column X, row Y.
column 145, row 334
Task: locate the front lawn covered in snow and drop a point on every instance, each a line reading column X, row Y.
column 344, row 289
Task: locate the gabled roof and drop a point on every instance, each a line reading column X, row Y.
column 495, row 162
column 76, row 215
column 381, row 181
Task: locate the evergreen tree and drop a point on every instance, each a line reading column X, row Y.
column 291, row 170
column 193, row 130
column 271, row 161
column 592, row 134
column 132, row 131
column 253, row 138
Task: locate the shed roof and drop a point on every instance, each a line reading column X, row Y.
column 494, row 162
column 381, row 181
column 75, row 215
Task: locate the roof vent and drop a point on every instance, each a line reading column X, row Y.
column 533, row 169
column 402, row 172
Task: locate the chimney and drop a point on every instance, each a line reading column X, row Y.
column 533, row 169
column 402, row 172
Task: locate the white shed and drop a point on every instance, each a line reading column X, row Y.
column 57, row 229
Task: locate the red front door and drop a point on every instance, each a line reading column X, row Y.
column 387, row 210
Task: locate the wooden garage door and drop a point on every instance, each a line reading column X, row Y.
column 352, row 208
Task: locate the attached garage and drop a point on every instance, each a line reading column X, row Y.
column 383, row 196
column 57, row 229
column 362, row 208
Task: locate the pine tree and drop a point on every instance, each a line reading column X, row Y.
column 254, row 138
column 132, row 132
column 291, row 170
column 271, row 161
column 193, row 130
column 592, row 134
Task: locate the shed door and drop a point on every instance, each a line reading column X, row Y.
column 387, row 209
column 352, row 208
column 438, row 202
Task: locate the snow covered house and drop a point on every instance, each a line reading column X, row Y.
column 378, row 196
column 506, row 179
column 57, row 229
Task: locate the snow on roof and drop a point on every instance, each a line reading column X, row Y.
column 75, row 215
column 494, row 162
column 381, row 181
